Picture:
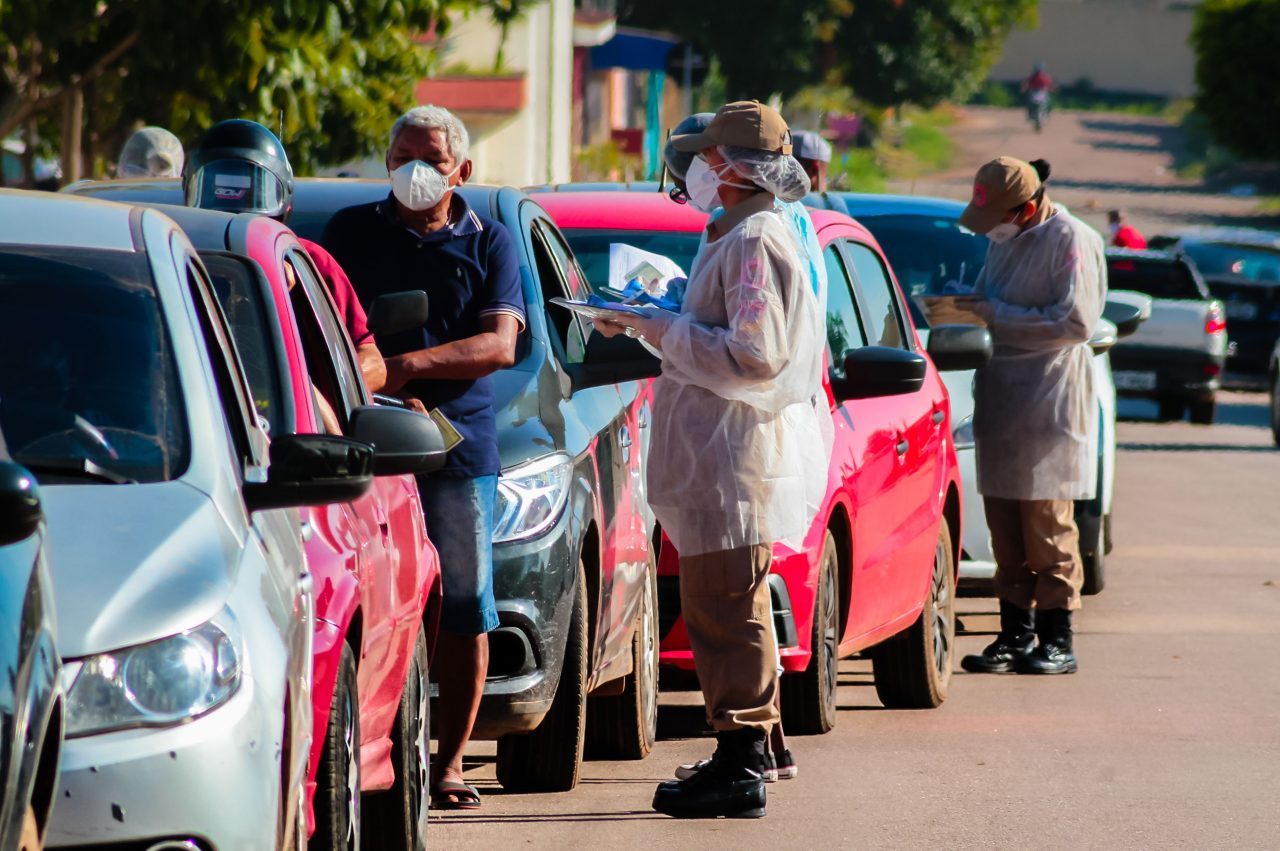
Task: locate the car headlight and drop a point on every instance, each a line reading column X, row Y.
column 531, row 497
column 158, row 684
column 962, row 434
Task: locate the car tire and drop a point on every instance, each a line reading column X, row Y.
column 29, row 839
column 1093, row 548
column 1107, row 544
column 625, row 726
column 395, row 819
column 1275, row 409
column 1171, row 409
column 549, row 759
column 1203, row 411
column 809, row 697
column 337, row 799
column 912, row 670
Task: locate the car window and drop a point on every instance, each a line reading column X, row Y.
column 87, row 370
column 844, row 327
column 312, row 296
column 930, row 255
column 555, row 284
column 242, row 301
column 880, row 312
column 1156, row 278
column 1220, row 258
column 232, row 392
column 591, row 247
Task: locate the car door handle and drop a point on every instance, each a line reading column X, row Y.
column 903, row 446
column 938, row 416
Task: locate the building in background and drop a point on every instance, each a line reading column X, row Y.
column 1138, row 46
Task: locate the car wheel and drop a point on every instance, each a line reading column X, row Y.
column 1107, row 544
column 912, row 670
column 29, row 839
column 396, row 819
column 809, row 697
column 625, row 726
column 1275, row 409
column 1203, row 411
column 1171, row 409
column 337, row 801
column 1092, row 551
column 549, row 759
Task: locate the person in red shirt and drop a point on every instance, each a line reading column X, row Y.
column 1123, row 234
column 240, row 166
column 1039, row 81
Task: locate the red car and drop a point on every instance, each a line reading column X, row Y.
column 878, row 567
column 376, row 576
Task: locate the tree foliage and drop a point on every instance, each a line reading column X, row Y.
column 889, row 52
column 337, row 71
column 1235, row 44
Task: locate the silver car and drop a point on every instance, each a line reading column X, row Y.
column 183, row 602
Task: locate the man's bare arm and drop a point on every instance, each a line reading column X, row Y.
column 494, row 348
column 372, row 366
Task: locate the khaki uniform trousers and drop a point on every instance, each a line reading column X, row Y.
column 725, row 601
column 1037, row 550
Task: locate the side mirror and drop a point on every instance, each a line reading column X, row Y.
column 20, row 511
column 312, row 469
column 874, row 371
column 613, row 360
column 1125, row 316
column 403, row 441
column 396, row 312
column 1104, row 337
column 957, row 347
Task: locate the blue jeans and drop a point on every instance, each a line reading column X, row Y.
column 459, row 516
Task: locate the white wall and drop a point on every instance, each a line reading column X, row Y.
column 1121, row 45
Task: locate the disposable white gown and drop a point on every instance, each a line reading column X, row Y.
column 738, row 453
column 1035, row 412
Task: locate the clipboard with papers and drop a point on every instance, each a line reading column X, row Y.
column 610, row 311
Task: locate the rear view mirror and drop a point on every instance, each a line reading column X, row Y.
column 875, row 371
column 403, row 441
column 396, row 312
column 1125, row 316
column 957, row 347
column 20, row 511
column 312, row 469
column 613, row 360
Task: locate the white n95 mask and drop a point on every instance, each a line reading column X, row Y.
column 1003, row 232
column 702, row 184
column 419, row 185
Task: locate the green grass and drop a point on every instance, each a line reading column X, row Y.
column 860, row 171
column 1269, row 204
column 1079, row 95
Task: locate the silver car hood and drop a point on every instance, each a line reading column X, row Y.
column 133, row 563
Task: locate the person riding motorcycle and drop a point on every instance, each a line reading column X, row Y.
column 1037, row 88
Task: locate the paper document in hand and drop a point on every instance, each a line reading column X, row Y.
column 610, row 311
column 628, row 263
column 951, row 309
column 450, row 434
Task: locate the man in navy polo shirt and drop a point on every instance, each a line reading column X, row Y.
column 424, row 236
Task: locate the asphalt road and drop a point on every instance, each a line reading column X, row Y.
column 1167, row 738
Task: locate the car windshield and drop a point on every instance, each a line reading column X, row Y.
column 930, row 255
column 1247, row 261
column 88, row 385
column 242, row 301
column 1156, row 278
column 591, row 247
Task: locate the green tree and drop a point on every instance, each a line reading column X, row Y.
column 1235, row 44
column 330, row 74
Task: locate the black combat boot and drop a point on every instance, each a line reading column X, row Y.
column 730, row 786
column 1054, row 655
column 1016, row 640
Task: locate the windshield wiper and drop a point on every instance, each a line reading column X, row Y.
column 76, row 468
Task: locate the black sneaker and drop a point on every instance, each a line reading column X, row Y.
column 784, row 765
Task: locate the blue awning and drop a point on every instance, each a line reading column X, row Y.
column 635, row 50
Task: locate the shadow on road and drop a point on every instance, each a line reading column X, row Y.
column 458, row 817
column 682, row 722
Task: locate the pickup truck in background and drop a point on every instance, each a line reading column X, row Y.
column 1176, row 357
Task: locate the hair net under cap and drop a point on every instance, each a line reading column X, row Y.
column 808, row 145
column 678, row 162
column 779, row 174
column 151, row 152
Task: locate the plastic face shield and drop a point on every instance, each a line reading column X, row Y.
column 236, row 186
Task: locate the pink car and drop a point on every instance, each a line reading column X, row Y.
column 376, row 576
column 878, row 568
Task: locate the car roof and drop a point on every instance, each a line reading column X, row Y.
column 1142, row 254
column 52, row 219
column 632, row 211
column 594, row 186
column 867, row 204
column 1230, row 235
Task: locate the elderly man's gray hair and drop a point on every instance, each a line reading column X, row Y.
column 435, row 118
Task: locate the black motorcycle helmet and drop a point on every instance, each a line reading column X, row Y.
column 239, row 166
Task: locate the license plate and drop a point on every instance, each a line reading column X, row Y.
column 1134, row 380
column 1242, row 310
